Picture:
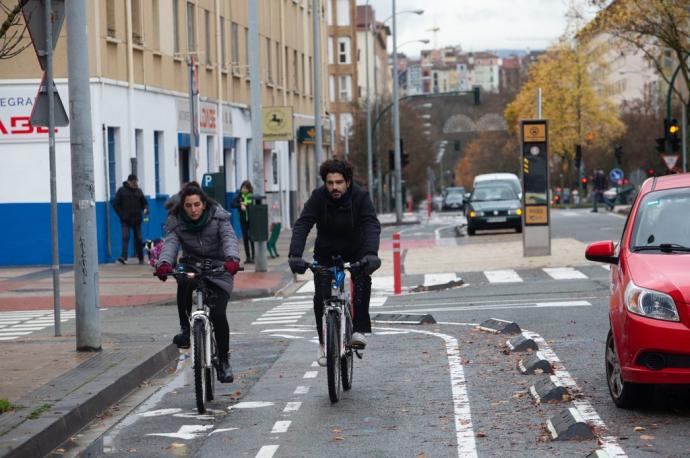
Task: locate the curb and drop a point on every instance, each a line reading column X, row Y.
column 31, row 438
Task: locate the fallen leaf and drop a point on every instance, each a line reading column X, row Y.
column 538, row 371
column 647, row 437
column 338, row 438
column 421, row 455
column 481, row 434
column 177, row 445
column 639, row 428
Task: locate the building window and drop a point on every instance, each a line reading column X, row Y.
column 137, row 28
column 246, row 49
column 269, row 63
column 279, row 64
column 287, row 68
column 110, row 17
column 329, row 51
column 345, row 85
column 191, row 28
column 310, row 72
column 303, row 86
column 155, row 6
column 223, row 47
column 113, row 134
column 235, row 48
column 344, row 50
column 207, row 36
column 176, row 26
column 295, row 70
column 329, row 13
column 331, row 88
column 343, row 12
column 157, row 148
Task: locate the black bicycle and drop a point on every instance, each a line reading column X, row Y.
column 204, row 349
column 337, row 328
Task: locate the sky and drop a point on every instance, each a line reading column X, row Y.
column 476, row 25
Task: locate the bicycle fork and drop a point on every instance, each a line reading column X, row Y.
column 201, row 315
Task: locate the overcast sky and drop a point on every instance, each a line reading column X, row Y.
column 476, row 25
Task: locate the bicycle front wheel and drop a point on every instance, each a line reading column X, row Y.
column 211, row 371
column 200, row 374
column 347, row 360
column 333, row 355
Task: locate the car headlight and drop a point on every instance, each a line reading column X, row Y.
column 515, row 211
column 650, row 303
column 474, row 214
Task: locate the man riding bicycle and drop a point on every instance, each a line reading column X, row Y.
column 202, row 229
column 347, row 226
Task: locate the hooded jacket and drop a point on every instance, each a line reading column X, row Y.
column 129, row 203
column 346, row 227
column 216, row 240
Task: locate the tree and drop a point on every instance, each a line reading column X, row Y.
column 13, row 38
column 658, row 28
column 577, row 114
column 490, row 152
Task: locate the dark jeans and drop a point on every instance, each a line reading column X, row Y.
column 221, row 329
column 361, row 322
column 138, row 243
column 248, row 242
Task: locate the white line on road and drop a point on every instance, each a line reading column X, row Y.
column 301, row 390
column 496, row 307
column 281, row 426
column 292, row 406
column 502, row 276
column 274, row 322
column 564, row 273
column 439, row 279
column 267, row 451
column 311, row 374
column 287, row 336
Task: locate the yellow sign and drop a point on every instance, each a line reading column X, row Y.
column 534, row 133
column 536, row 214
column 277, row 124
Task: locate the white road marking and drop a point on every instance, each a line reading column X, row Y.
column 287, row 336
column 274, row 322
column 292, row 407
column 564, row 273
column 496, row 307
column 583, row 406
column 439, row 279
column 159, row 412
column 221, row 430
column 301, row 390
column 186, row 432
column 281, row 426
column 377, row 301
column 16, row 334
column 314, row 364
column 311, row 374
column 267, row 451
column 502, row 276
column 250, row 405
column 287, row 330
column 285, row 314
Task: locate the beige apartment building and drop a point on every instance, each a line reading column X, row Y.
column 142, row 55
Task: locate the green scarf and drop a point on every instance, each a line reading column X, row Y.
column 195, row 226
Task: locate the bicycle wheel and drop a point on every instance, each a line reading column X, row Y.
column 200, row 382
column 347, row 360
column 333, row 355
column 211, row 371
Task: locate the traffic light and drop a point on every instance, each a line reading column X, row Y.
column 391, row 159
column 661, row 145
column 583, row 180
column 618, row 152
column 404, row 160
column 578, row 157
column 651, row 172
column 673, row 133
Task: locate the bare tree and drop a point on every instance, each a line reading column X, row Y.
column 13, row 36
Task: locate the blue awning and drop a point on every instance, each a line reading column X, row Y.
column 229, row 142
column 183, row 140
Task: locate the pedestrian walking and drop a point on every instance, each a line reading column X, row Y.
column 242, row 201
column 130, row 204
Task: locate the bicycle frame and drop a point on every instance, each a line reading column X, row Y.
column 338, row 301
column 201, row 314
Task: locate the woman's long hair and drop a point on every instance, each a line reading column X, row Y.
column 247, row 184
column 191, row 188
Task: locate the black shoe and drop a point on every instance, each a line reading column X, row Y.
column 225, row 374
column 182, row 339
column 249, row 261
column 141, row 262
column 122, row 260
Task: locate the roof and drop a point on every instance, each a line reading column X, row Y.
column 679, row 180
column 361, row 16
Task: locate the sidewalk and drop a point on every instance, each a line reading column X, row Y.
column 55, row 389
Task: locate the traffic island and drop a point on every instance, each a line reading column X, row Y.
column 535, row 364
column 498, row 326
column 569, row 425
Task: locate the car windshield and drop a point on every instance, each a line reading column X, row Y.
column 662, row 221
column 486, row 193
column 514, row 185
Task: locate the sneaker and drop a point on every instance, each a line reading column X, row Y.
column 182, row 340
column 122, row 260
column 322, row 356
column 359, row 342
column 225, row 374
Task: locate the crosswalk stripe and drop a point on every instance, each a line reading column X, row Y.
column 439, row 279
column 502, row 276
column 257, row 322
column 564, row 273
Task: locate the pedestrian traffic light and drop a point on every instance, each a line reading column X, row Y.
column 404, row 160
column 618, row 152
column 578, row 157
column 673, row 133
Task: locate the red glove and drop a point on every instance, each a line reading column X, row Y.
column 232, row 266
column 163, row 270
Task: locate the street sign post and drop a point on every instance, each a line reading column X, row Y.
column 536, row 234
column 616, row 175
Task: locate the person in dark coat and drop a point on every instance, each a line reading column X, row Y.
column 347, row 226
column 129, row 204
column 202, row 229
column 242, row 202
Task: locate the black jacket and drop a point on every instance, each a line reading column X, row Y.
column 129, row 203
column 347, row 226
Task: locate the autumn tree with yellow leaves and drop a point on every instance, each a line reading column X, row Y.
column 577, row 114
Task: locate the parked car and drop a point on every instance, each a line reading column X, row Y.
column 453, row 198
column 509, row 179
column 493, row 207
column 649, row 310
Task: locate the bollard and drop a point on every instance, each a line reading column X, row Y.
column 409, row 204
column 428, row 205
column 397, row 283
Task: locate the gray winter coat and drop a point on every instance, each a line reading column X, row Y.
column 217, row 240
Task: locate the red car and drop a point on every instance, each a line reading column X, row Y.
column 649, row 309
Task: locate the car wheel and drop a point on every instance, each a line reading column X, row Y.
column 625, row 395
column 471, row 230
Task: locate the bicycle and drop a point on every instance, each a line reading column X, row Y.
column 336, row 323
column 204, row 349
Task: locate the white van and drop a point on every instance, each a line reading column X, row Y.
column 509, row 178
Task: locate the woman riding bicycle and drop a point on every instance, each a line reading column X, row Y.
column 202, row 229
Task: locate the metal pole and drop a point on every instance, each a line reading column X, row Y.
column 370, row 157
column 538, row 103
column 88, row 327
column 257, row 149
column 55, row 256
column 318, row 146
column 684, row 128
column 396, row 125
column 193, row 140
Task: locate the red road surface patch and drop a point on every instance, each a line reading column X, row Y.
column 408, row 244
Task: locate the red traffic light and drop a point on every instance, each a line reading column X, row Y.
column 650, row 172
column 583, row 180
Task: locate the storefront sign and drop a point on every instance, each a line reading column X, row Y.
column 307, row 135
column 15, row 111
column 276, row 124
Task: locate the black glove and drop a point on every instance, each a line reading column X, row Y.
column 370, row 263
column 297, row 265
